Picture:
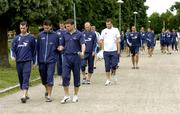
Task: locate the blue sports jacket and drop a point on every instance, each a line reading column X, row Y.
column 47, row 44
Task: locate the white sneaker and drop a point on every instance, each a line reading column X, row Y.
column 115, row 79
column 66, row 99
column 107, row 83
column 75, row 99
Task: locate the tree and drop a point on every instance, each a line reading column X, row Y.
column 97, row 11
column 176, row 18
column 166, row 19
column 13, row 11
column 156, row 22
column 35, row 11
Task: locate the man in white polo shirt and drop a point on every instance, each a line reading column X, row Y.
column 110, row 41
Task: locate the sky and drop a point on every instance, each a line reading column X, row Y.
column 159, row 6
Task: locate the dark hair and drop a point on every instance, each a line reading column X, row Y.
column 109, row 20
column 69, row 21
column 24, row 23
column 61, row 22
column 47, row 22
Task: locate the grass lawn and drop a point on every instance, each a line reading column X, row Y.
column 8, row 76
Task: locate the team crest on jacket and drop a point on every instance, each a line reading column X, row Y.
column 74, row 38
column 51, row 43
column 42, row 38
column 23, row 45
column 19, row 38
column 59, row 33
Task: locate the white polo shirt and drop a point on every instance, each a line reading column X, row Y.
column 110, row 37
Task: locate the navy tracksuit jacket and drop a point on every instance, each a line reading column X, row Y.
column 47, row 44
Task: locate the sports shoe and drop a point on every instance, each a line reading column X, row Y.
column 66, row 99
column 84, row 81
column 23, row 100
column 75, row 99
column 107, row 83
column 115, row 79
column 88, row 82
column 48, row 99
column 27, row 97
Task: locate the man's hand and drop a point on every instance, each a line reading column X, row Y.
column 93, row 53
column 118, row 52
column 82, row 55
column 13, row 58
column 60, row 48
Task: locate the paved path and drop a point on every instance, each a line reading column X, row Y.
column 153, row 89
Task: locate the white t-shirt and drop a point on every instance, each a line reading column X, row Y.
column 97, row 35
column 110, row 37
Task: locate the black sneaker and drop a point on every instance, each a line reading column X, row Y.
column 23, row 100
column 27, row 98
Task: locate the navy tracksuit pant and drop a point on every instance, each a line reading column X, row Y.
column 88, row 59
column 24, row 71
column 59, row 64
column 46, row 71
column 111, row 60
column 71, row 62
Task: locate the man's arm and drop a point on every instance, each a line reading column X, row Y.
column 83, row 49
column 101, row 41
column 118, row 36
column 118, row 44
column 61, row 43
column 94, row 44
column 13, row 48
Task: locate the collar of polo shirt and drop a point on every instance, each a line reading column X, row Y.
column 73, row 31
column 26, row 34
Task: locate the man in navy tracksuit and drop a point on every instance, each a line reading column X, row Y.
column 23, row 48
column 91, row 44
column 150, row 42
column 168, row 40
column 126, row 44
column 47, row 45
column 174, row 40
column 143, row 38
column 73, row 45
column 162, row 40
column 60, row 31
column 134, row 41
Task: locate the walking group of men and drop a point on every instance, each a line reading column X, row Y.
column 73, row 50
column 169, row 41
column 136, row 41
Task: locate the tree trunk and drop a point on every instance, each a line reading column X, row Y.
column 4, row 61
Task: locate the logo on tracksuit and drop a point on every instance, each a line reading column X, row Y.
column 23, row 45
